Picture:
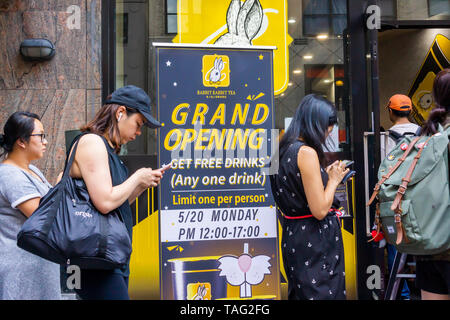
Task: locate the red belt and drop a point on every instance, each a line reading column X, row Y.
column 310, row 215
column 299, row 217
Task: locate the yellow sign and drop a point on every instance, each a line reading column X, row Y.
column 239, row 23
column 216, row 71
column 437, row 58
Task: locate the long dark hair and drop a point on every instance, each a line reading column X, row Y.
column 311, row 121
column 441, row 97
column 18, row 126
column 105, row 123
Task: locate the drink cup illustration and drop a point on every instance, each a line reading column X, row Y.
column 197, row 278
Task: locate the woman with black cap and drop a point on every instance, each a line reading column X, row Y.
column 313, row 253
column 96, row 161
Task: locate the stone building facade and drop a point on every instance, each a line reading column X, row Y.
column 65, row 91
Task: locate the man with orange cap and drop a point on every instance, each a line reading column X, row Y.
column 399, row 108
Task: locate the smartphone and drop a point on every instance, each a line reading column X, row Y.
column 350, row 174
column 165, row 167
column 348, row 163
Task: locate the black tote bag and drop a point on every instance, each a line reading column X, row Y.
column 66, row 228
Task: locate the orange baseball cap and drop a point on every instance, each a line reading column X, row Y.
column 400, row 102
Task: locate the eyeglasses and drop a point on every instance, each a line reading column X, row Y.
column 42, row 135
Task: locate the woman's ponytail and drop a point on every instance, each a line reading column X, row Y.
column 441, row 97
column 3, row 145
column 437, row 116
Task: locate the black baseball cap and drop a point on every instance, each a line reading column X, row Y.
column 135, row 98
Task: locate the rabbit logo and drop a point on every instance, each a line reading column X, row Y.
column 199, row 291
column 244, row 271
column 216, row 71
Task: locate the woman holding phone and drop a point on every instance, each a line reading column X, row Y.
column 97, row 162
column 304, row 190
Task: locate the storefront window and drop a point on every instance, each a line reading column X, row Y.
column 311, row 40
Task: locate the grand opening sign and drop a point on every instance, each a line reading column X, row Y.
column 218, row 225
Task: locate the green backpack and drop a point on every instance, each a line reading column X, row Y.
column 413, row 208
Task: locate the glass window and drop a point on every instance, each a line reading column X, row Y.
column 422, row 9
column 316, row 7
column 388, row 9
column 339, row 23
column 316, row 24
column 324, row 16
column 339, row 7
column 439, row 7
column 171, row 16
column 132, row 58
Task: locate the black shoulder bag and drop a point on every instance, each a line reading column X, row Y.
column 66, row 228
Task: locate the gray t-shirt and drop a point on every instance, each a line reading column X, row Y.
column 401, row 129
column 23, row 275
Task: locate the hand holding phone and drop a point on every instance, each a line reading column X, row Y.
column 348, row 163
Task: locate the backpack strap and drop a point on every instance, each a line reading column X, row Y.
column 418, row 131
column 377, row 221
column 394, row 135
column 396, row 205
column 393, row 169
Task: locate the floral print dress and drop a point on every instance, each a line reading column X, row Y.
column 313, row 252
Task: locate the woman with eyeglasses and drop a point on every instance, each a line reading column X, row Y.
column 23, row 276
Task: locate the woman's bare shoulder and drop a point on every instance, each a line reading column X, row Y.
column 91, row 141
column 90, row 138
column 307, row 158
column 306, row 152
column 90, row 145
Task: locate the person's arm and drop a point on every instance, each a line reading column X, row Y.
column 319, row 199
column 29, row 206
column 19, row 191
column 135, row 194
column 138, row 191
column 92, row 161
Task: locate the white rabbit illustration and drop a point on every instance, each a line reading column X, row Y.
column 243, row 23
column 201, row 293
column 216, row 72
